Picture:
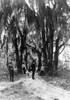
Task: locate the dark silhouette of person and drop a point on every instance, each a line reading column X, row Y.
column 11, row 71
column 23, row 68
column 33, row 69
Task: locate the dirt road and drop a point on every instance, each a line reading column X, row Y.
column 28, row 89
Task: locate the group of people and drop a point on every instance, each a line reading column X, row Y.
column 31, row 68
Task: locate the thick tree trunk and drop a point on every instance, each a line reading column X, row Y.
column 18, row 62
column 26, row 59
column 7, row 53
column 44, row 47
column 56, row 54
column 39, row 61
column 19, row 68
column 51, row 49
column 21, row 51
column 23, row 46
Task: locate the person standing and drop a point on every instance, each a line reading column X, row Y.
column 23, row 68
column 11, row 71
column 33, row 69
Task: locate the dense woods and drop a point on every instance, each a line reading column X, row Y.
column 39, row 27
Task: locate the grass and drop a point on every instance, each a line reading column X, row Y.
column 61, row 80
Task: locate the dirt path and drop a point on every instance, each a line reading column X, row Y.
column 28, row 89
column 46, row 91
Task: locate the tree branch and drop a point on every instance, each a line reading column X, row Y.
column 62, row 50
column 61, row 45
column 33, row 47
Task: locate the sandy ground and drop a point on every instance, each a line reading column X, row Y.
column 27, row 89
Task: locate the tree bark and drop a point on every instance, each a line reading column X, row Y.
column 19, row 68
column 39, row 61
column 56, row 54
column 44, row 47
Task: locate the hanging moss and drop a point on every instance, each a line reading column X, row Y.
column 30, row 15
column 37, row 22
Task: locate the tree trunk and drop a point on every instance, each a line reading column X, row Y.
column 56, row 54
column 21, row 51
column 44, row 46
column 26, row 59
column 7, row 53
column 51, row 48
column 23, row 45
column 19, row 68
column 39, row 61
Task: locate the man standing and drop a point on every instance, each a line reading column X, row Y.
column 11, row 71
column 33, row 68
column 23, row 68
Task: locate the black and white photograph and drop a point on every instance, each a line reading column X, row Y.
column 34, row 49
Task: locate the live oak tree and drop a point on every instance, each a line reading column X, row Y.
column 51, row 21
column 10, row 15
